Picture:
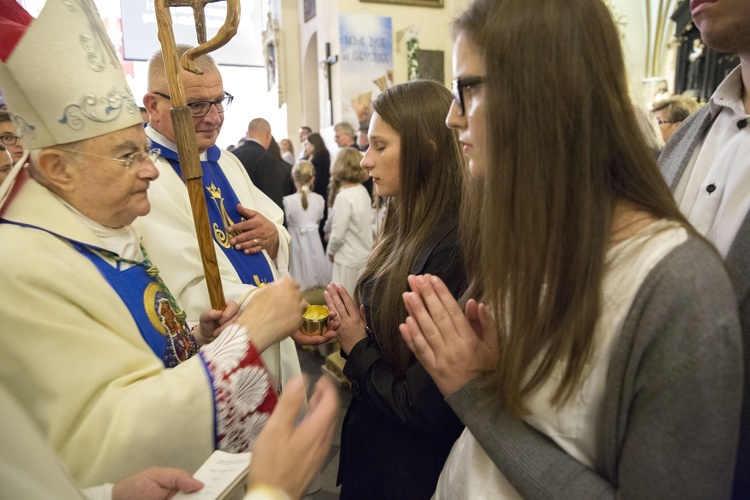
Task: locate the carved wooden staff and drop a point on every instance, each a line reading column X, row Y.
column 182, row 120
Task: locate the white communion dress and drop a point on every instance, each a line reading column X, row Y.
column 308, row 262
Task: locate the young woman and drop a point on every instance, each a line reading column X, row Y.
column 318, row 154
column 398, row 430
column 303, row 211
column 287, row 151
column 605, row 358
column 350, row 219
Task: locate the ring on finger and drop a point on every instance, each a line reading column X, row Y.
column 257, row 243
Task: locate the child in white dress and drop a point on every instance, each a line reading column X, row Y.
column 350, row 239
column 304, row 210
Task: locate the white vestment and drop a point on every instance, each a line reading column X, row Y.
column 169, row 235
column 75, row 359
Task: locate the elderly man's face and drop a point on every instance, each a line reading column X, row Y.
column 104, row 190
column 343, row 139
column 6, row 163
column 206, row 87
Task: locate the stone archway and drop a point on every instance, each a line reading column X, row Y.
column 310, row 87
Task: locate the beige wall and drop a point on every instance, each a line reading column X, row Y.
column 432, row 24
column 642, row 19
column 307, row 89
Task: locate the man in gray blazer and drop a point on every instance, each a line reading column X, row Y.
column 707, row 165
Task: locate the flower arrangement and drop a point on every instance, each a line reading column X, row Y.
column 412, row 46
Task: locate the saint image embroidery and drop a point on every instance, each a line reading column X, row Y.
column 179, row 343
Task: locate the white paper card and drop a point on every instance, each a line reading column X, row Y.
column 220, row 474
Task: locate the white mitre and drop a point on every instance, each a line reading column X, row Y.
column 63, row 82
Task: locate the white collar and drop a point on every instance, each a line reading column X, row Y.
column 156, row 136
column 124, row 241
column 728, row 95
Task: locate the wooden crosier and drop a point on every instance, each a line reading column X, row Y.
column 182, row 120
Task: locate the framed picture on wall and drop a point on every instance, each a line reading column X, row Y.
column 431, row 66
column 272, row 73
column 418, row 3
column 310, row 9
column 272, row 56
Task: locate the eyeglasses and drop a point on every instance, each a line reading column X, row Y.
column 459, row 84
column 137, row 156
column 201, row 108
column 662, row 122
column 9, row 139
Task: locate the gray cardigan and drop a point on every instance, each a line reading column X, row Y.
column 671, row 415
column 672, row 163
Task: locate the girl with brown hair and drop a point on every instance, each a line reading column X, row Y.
column 317, row 153
column 398, row 430
column 349, row 216
column 603, row 358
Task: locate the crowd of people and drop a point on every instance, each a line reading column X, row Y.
column 563, row 318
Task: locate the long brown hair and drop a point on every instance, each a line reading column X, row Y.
column 431, row 175
column 319, row 146
column 563, row 149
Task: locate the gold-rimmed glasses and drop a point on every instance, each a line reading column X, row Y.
column 136, row 156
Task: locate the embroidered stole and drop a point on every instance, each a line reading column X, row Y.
column 221, row 204
column 168, row 337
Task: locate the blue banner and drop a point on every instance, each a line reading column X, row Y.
column 366, row 59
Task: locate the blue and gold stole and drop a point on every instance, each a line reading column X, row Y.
column 221, row 204
column 162, row 327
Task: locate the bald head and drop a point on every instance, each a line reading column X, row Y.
column 260, row 130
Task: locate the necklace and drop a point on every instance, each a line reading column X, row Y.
column 153, row 272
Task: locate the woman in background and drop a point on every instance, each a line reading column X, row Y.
column 350, row 236
column 317, row 153
column 398, row 430
column 287, row 151
column 602, row 356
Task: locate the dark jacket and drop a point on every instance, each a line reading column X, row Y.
column 398, row 430
column 267, row 173
column 322, row 164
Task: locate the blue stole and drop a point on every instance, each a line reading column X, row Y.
column 221, row 204
column 169, row 338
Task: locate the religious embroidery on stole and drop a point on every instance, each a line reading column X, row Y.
column 221, row 235
column 164, row 320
